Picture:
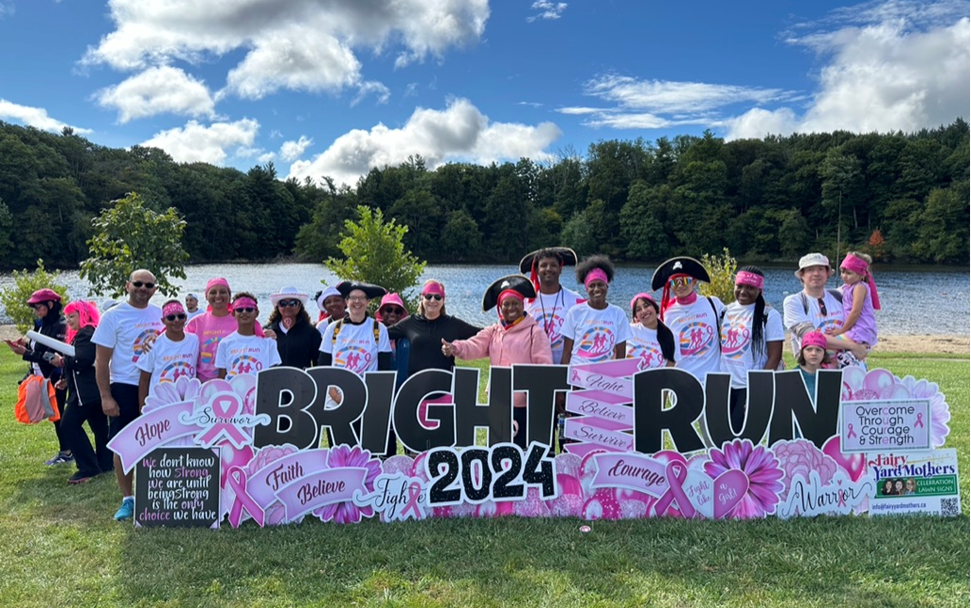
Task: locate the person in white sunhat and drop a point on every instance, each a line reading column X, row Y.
column 297, row 340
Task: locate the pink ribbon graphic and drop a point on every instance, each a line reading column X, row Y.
column 676, row 474
column 149, row 431
column 225, row 406
column 920, row 420
column 851, row 434
column 237, row 481
column 414, row 493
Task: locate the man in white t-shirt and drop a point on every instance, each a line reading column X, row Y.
column 816, row 308
column 120, row 339
column 552, row 300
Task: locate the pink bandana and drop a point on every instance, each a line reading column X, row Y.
column 434, row 288
column 749, row 278
column 593, row 275
column 244, row 303
column 862, row 268
column 173, row 308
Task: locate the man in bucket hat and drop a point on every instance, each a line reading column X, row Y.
column 817, row 309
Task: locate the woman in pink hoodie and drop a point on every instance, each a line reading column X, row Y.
column 516, row 338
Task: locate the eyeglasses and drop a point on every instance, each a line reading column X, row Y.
column 140, row 284
column 180, row 316
column 288, row 303
column 247, row 309
column 431, row 296
column 680, row 281
column 357, row 298
column 394, row 310
column 822, row 306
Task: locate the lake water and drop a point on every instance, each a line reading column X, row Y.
column 924, row 300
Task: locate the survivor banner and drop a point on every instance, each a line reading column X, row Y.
column 640, row 444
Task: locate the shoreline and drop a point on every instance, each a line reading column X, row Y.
column 941, row 344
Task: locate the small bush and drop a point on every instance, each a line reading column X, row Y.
column 14, row 299
column 722, row 271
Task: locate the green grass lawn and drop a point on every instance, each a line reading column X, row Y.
column 60, row 547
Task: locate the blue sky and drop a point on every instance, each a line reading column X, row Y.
column 336, row 87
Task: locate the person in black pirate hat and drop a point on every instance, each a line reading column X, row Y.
column 694, row 321
column 358, row 342
column 552, row 301
column 515, row 338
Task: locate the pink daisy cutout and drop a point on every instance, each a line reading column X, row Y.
column 762, row 469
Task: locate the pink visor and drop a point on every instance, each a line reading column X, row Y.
column 743, row 277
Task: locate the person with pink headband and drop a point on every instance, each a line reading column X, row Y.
column 812, row 357
column 595, row 330
column 173, row 356
column 860, row 300
column 515, row 338
column 212, row 326
column 651, row 340
column 751, row 337
column 245, row 351
column 84, row 398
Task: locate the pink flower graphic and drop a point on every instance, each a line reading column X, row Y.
column 940, row 411
column 167, row 393
column 800, row 456
column 347, row 512
column 763, row 472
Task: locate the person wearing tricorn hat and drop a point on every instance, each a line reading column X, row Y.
column 358, row 342
column 552, row 300
column 297, row 340
column 516, row 338
column 694, row 321
column 816, row 308
column 595, row 330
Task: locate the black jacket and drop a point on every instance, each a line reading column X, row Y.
column 51, row 326
column 299, row 346
column 426, row 338
column 82, row 385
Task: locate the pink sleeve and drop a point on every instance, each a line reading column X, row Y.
column 475, row 347
column 542, row 352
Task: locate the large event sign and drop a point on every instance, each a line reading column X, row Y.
column 644, row 444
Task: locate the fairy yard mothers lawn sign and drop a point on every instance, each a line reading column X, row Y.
column 795, row 455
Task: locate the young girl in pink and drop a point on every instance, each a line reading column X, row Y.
column 860, row 300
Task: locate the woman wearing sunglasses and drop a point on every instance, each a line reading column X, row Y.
column 297, row 340
column 173, row 356
column 426, row 329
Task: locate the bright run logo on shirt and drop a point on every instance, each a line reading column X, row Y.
column 353, row 358
column 174, row 371
column 736, row 342
column 245, row 365
column 596, row 341
column 696, row 339
column 553, row 325
column 649, row 356
column 139, row 347
column 207, row 351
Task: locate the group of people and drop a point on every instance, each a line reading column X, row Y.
column 122, row 355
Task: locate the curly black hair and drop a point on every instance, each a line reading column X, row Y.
column 595, row 261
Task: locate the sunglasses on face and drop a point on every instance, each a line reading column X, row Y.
column 288, row 303
column 680, row 281
column 394, row 310
column 140, row 284
column 432, row 296
column 170, row 318
column 247, row 309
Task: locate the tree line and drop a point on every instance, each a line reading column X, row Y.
column 901, row 197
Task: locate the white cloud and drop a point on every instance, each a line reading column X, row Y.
column 292, row 150
column 265, row 158
column 34, row 117
column 459, row 132
column 197, row 143
column 305, row 45
column 890, row 66
column 547, row 10
column 372, row 88
column 156, row 91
